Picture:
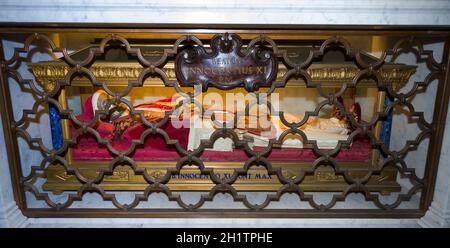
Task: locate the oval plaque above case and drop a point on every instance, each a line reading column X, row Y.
column 227, row 65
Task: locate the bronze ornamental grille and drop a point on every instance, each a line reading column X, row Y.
column 185, row 40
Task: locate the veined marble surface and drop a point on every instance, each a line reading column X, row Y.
column 222, row 223
column 368, row 12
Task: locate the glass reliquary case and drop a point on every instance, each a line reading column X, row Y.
column 222, row 105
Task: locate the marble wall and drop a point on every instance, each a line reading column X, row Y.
column 412, row 12
column 367, row 12
column 6, row 198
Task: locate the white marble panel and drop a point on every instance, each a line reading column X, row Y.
column 381, row 12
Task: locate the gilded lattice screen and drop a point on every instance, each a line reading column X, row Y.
column 257, row 62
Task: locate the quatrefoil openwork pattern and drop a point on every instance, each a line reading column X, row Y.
column 28, row 177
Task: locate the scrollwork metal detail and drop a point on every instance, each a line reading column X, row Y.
column 188, row 52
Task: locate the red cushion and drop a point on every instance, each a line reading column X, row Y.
column 106, row 130
column 87, row 108
column 157, row 141
column 156, row 150
column 87, row 141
